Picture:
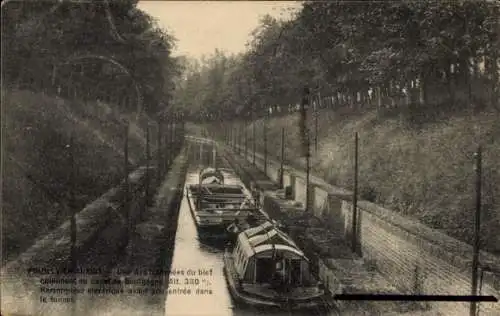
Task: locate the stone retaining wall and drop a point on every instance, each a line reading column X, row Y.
column 54, row 249
column 104, row 220
column 414, row 257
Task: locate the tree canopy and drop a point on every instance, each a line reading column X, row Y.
column 377, row 54
column 85, row 49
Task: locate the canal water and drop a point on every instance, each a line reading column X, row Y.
column 204, row 290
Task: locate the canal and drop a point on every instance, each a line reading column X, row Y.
column 197, row 283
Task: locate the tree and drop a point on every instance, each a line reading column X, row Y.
column 387, row 53
column 49, row 35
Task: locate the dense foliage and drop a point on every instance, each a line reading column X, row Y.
column 59, row 60
column 88, row 49
column 432, row 54
column 374, row 65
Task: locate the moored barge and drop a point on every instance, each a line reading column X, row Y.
column 215, row 205
column 265, row 268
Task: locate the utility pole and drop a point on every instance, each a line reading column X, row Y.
column 477, row 229
column 282, row 160
column 240, row 139
column 233, row 138
column 253, row 134
column 306, row 141
column 355, row 197
column 201, row 154
column 265, row 142
column 146, row 190
column 71, row 202
column 173, row 146
column 166, row 154
column 308, row 176
column 126, row 188
column 72, row 207
column 159, row 150
column 316, row 105
column 246, row 140
column 214, row 156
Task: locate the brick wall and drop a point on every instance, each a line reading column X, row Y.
column 415, row 264
column 413, row 257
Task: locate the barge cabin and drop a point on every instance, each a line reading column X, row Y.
column 265, row 268
column 215, row 205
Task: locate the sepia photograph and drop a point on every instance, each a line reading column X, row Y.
column 240, row 158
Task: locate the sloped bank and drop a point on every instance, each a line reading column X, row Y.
column 146, row 262
column 423, row 171
column 414, row 258
column 330, row 256
column 36, row 160
column 53, row 251
column 153, row 240
column 51, row 254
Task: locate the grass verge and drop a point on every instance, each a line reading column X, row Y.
column 36, row 167
column 423, row 171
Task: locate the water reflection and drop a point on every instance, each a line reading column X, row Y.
column 191, row 254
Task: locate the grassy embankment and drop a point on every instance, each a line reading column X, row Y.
column 425, row 172
column 36, row 166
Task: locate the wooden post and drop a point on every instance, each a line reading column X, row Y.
column 172, row 142
column 174, row 138
column 233, row 138
column 183, row 131
column 159, row 151
column 306, row 141
column 355, row 196
column 253, row 136
column 477, row 230
column 316, row 123
column 171, row 145
column 178, row 130
column 166, row 143
column 146, row 189
column 239, row 139
column 246, row 142
column 71, row 202
column 126, row 188
column 201, row 154
column 214, row 156
column 265, row 143
column 308, row 176
column 73, row 212
column 199, row 198
column 282, row 160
